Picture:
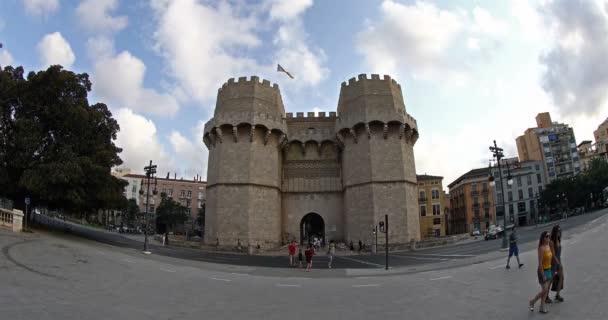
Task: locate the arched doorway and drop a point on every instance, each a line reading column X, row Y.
column 311, row 226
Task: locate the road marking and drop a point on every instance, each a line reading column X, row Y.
column 221, row 279
column 167, row 270
column 418, row 258
column 443, row 255
column 363, row 277
column 365, row 285
column 239, row 274
column 440, row 278
column 127, row 260
column 288, row 285
column 361, row 261
column 496, row 267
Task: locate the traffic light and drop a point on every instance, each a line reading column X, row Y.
column 381, row 224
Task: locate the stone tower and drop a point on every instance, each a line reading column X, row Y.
column 377, row 137
column 244, row 139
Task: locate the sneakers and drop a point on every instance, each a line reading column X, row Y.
column 521, row 265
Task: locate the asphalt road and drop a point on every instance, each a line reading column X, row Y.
column 51, row 276
column 528, row 239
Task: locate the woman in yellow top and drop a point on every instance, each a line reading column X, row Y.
column 545, row 257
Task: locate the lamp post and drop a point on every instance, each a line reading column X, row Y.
column 498, row 154
column 150, row 171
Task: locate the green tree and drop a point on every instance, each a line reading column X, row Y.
column 55, row 147
column 170, row 213
column 131, row 212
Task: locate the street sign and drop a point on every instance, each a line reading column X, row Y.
column 27, row 200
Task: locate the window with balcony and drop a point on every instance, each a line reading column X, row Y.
column 529, row 179
column 520, row 194
column 486, row 213
column 423, row 210
column 188, row 203
column 538, row 178
column 182, row 194
column 530, row 193
column 510, row 196
column 519, row 181
column 134, row 189
column 189, row 194
column 436, row 210
column 422, row 197
column 434, row 194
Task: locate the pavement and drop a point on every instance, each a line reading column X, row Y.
column 58, row 276
column 468, row 252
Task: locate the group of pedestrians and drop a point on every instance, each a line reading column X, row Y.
column 550, row 271
column 308, row 253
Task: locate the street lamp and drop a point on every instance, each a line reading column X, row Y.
column 150, row 171
column 498, row 154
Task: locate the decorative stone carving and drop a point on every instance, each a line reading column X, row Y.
column 267, row 136
column 235, row 133
column 218, row 133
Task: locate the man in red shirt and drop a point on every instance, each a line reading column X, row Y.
column 292, row 253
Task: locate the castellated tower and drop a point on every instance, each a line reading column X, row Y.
column 377, row 137
column 244, row 139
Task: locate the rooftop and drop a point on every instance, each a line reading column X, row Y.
column 474, row 173
column 425, row 176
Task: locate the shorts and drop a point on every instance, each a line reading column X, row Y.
column 513, row 250
column 548, row 276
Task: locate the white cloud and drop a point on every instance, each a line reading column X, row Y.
column 120, row 80
column 473, row 43
column 5, row 58
column 417, row 36
column 41, row 7
column 288, row 10
column 295, row 54
column 484, row 22
column 530, row 21
column 192, row 153
column 95, row 15
column 54, row 49
column 140, row 143
column 203, row 45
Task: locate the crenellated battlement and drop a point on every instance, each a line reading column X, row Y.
column 373, row 77
column 311, row 116
column 247, row 95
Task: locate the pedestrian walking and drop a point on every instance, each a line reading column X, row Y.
column 330, row 252
column 360, row 246
column 352, row 247
column 292, row 253
column 558, row 269
column 513, row 249
column 300, row 257
column 545, row 257
column 309, row 253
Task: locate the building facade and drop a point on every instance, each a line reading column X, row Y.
column 273, row 177
column 189, row 193
column 134, row 183
column 521, row 197
column 601, row 137
column 471, row 202
column 431, row 197
column 552, row 143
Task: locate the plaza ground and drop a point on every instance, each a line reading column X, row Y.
column 52, row 276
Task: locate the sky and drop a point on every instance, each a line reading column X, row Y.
column 471, row 71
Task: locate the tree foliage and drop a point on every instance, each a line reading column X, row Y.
column 170, row 213
column 55, row 147
column 580, row 190
column 131, row 212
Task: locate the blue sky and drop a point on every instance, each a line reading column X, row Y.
column 471, row 71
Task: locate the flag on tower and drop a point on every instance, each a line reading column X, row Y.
column 281, row 69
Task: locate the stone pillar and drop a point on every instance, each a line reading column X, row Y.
column 17, row 220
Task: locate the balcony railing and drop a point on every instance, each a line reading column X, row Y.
column 486, row 204
column 474, row 193
column 422, row 199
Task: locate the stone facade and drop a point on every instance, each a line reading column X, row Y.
column 274, row 177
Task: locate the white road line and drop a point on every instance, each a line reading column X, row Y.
column 496, row 267
column 440, row 278
column 365, row 285
column 167, row 270
column 418, row 258
column 221, row 279
column 239, row 274
column 288, row 285
column 361, row 261
column 443, row 255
